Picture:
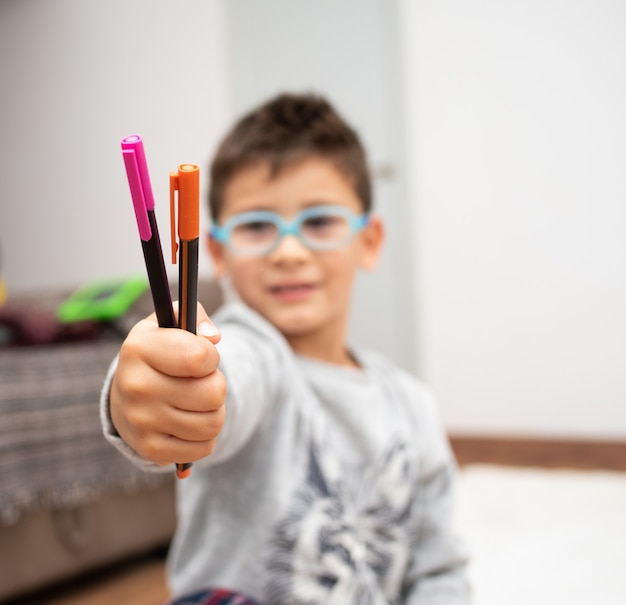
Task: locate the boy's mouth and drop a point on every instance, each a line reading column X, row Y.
column 292, row 292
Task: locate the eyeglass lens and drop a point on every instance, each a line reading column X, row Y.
column 317, row 231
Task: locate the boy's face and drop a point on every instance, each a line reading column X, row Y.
column 304, row 293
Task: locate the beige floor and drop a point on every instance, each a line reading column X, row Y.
column 137, row 583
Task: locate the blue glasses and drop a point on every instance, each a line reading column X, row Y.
column 259, row 232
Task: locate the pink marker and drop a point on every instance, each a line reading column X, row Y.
column 143, row 202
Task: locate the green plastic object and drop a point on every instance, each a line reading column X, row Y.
column 101, row 300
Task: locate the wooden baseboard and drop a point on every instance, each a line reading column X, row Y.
column 547, row 453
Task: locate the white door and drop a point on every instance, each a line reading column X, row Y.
column 346, row 50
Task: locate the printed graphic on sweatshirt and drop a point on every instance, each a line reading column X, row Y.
column 346, row 539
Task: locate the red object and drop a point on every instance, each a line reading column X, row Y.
column 28, row 325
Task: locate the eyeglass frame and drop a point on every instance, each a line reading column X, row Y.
column 222, row 233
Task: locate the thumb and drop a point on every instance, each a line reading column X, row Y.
column 205, row 327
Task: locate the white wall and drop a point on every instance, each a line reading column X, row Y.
column 518, row 155
column 77, row 76
column 516, row 147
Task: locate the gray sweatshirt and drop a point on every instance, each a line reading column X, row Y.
column 329, row 485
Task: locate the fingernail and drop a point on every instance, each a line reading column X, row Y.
column 206, row 328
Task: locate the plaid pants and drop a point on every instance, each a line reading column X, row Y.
column 217, row 596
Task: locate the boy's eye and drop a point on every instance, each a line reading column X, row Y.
column 256, row 226
column 326, row 227
column 254, row 230
column 322, row 222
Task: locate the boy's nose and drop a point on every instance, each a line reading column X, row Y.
column 290, row 248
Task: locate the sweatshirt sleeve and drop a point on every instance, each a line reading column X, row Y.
column 437, row 573
column 255, row 360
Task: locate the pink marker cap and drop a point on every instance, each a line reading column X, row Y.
column 139, row 182
column 135, row 143
column 136, row 192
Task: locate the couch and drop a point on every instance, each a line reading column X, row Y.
column 69, row 502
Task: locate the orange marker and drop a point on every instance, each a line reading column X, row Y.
column 187, row 182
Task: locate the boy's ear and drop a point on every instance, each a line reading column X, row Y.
column 373, row 237
column 216, row 251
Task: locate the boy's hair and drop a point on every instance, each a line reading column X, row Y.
column 284, row 129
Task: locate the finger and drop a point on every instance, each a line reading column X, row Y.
column 190, row 451
column 164, row 449
column 194, row 394
column 194, row 426
column 170, row 351
column 206, row 327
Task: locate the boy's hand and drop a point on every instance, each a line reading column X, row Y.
column 167, row 396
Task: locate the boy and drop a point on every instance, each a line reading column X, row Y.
column 323, row 475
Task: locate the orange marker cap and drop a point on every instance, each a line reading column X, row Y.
column 187, row 182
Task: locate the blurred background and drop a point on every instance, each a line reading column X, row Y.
column 495, row 130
